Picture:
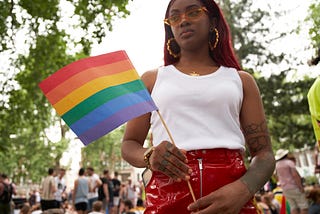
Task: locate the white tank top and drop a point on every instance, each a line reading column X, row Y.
column 201, row 112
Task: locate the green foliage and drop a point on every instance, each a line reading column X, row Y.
column 311, row 180
column 287, row 110
column 285, row 101
column 26, row 150
column 104, row 153
column 249, row 31
column 314, row 30
column 40, row 9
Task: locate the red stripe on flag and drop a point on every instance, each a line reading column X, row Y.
column 86, row 76
column 83, row 64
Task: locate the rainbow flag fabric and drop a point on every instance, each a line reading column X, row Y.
column 97, row 94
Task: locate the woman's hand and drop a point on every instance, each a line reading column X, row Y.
column 229, row 199
column 171, row 161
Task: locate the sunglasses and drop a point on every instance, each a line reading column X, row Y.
column 189, row 15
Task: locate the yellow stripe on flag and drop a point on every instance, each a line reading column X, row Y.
column 87, row 90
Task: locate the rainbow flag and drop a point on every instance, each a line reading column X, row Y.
column 97, row 94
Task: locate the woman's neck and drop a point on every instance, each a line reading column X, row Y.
column 196, row 67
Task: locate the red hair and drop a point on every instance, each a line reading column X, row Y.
column 223, row 54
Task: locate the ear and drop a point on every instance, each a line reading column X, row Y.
column 213, row 22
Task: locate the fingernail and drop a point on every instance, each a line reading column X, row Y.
column 190, row 171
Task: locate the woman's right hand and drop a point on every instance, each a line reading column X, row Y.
column 171, row 161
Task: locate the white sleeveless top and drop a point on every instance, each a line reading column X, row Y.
column 201, row 112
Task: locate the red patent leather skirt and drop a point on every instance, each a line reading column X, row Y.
column 211, row 169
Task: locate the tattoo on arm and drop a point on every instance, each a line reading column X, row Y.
column 257, row 137
column 262, row 165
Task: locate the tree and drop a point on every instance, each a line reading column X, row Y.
column 314, row 18
column 106, row 152
column 49, row 36
column 284, row 99
column 287, row 110
column 250, row 30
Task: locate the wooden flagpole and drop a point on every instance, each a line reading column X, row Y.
column 171, row 138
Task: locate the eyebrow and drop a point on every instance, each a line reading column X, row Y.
column 188, row 7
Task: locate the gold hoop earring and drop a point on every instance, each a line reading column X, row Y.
column 217, row 38
column 169, row 46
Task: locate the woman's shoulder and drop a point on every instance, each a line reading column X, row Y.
column 149, row 78
column 248, row 81
column 245, row 76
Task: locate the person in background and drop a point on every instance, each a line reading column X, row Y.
column 48, row 189
column 139, row 208
column 97, row 208
column 127, row 207
column 314, row 108
column 314, row 197
column 131, row 191
column 291, row 182
column 95, row 183
column 6, row 192
column 61, row 187
column 268, row 201
column 105, row 192
column 274, row 202
column 214, row 112
column 262, row 206
column 25, row 209
column 116, row 193
column 123, row 196
column 80, row 193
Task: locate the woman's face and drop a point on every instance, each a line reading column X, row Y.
column 189, row 23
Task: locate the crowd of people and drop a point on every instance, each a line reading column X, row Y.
column 284, row 193
column 90, row 194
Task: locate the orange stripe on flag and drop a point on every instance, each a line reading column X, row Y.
column 92, row 87
column 82, row 78
column 78, row 66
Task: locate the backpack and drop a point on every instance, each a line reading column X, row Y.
column 6, row 195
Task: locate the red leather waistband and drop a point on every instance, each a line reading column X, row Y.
column 220, row 155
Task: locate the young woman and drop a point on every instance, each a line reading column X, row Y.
column 213, row 110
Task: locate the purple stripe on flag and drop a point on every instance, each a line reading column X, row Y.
column 116, row 120
column 108, row 109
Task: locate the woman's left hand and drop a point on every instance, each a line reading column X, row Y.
column 229, row 199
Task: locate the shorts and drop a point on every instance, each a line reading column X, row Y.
column 48, row 204
column 116, row 201
column 296, row 199
column 222, row 166
column 81, row 206
column 5, row 208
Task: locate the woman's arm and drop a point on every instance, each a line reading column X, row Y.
column 257, row 137
column 137, row 130
column 165, row 158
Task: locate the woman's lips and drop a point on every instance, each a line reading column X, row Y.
column 186, row 33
